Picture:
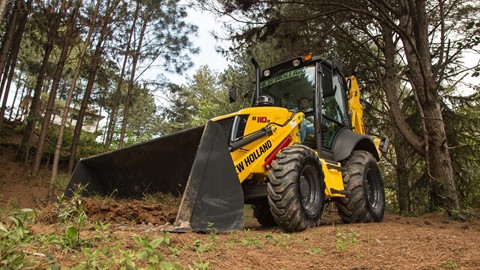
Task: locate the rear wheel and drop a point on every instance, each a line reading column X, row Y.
column 261, row 211
column 362, row 178
column 296, row 191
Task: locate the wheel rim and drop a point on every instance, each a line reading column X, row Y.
column 371, row 189
column 309, row 190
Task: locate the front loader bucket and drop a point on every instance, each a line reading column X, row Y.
column 194, row 162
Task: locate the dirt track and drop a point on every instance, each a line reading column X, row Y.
column 427, row 242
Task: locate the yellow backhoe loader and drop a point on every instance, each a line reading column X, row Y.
column 301, row 144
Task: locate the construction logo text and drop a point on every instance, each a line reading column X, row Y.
column 253, row 156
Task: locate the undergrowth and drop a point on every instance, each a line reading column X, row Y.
column 90, row 245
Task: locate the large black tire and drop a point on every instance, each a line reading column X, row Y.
column 261, row 211
column 296, row 191
column 362, row 178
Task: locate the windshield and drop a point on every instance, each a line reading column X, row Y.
column 294, row 90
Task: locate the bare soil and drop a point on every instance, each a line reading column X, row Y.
column 427, row 242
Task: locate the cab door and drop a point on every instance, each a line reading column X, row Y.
column 332, row 99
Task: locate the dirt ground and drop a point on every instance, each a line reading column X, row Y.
column 426, row 242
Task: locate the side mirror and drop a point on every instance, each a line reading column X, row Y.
column 337, row 64
column 232, row 95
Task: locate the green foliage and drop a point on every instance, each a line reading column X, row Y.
column 87, row 146
column 148, row 251
column 282, row 239
column 200, row 265
column 212, row 234
column 199, row 249
column 70, row 213
column 203, row 98
column 315, row 250
column 466, row 214
column 448, row 264
column 126, row 260
column 143, row 121
column 346, row 238
column 462, row 113
column 167, row 46
column 251, row 241
column 96, row 258
column 14, row 235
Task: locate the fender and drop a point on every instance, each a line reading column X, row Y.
column 346, row 141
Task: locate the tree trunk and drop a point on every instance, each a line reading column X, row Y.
column 404, row 175
column 65, row 51
column 425, row 87
column 18, row 86
column 433, row 144
column 35, row 104
column 22, row 95
column 440, row 168
column 116, row 100
column 13, row 61
column 3, row 9
column 3, row 89
column 78, row 68
column 88, row 90
column 8, row 39
column 132, row 81
column 17, row 40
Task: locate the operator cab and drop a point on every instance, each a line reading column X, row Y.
column 310, row 85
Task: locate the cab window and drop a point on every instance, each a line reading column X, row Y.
column 333, row 106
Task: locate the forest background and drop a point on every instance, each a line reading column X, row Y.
column 98, row 57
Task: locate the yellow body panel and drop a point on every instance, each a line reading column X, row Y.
column 333, row 178
column 355, row 106
column 249, row 160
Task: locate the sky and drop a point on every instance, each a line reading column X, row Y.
column 206, row 23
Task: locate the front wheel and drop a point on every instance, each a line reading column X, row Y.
column 296, row 191
column 261, row 211
column 362, row 178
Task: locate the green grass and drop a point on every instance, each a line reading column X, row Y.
column 346, row 238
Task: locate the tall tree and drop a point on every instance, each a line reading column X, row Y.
column 204, row 97
column 3, row 9
column 19, row 22
column 165, row 43
column 81, row 59
column 11, row 27
column 65, row 45
column 20, row 87
column 135, row 57
column 52, row 20
column 105, row 32
column 116, row 100
column 144, row 122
